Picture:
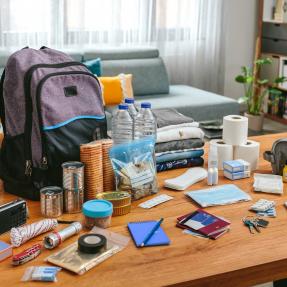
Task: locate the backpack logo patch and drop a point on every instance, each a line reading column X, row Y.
column 71, row 91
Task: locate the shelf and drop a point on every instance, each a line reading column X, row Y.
column 276, row 119
column 274, row 22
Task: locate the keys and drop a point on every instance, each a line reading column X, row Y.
column 254, row 223
column 249, row 224
column 262, row 223
column 256, row 226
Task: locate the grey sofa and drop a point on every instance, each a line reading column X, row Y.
column 150, row 82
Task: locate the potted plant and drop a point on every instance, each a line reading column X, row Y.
column 256, row 90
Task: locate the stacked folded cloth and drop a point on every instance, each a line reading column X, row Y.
column 179, row 140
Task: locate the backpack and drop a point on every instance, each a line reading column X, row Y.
column 49, row 105
column 277, row 156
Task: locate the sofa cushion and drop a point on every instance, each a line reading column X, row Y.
column 121, row 53
column 116, row 89
column 94, row 66
column 149, row 75
column 198, row 104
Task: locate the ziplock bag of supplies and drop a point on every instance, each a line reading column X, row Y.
column 134, row 167
column 41, row 273
column 90, row 250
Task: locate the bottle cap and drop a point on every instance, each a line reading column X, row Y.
column 97, row 208
column 129, row 100
column 146, row 105
column 123, row 107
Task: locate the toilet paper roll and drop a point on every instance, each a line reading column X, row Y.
column 235, row 130
column 224, row 151
column 249, row 152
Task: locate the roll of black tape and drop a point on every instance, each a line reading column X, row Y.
column 91, row 243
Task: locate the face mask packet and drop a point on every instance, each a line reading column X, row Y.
column 134, row 167
column 41, row 273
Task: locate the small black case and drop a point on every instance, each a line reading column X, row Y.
column 12, row 214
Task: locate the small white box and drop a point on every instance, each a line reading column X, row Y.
column 237, row 175
column 236, row 165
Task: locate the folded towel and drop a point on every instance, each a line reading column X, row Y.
column 171, row 127
column 179, row 155
column 176, row 151
column 180, row 133
column 167, row 117
column 179, row 145
column 188, row 162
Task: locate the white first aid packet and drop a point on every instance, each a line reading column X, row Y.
column 188, row 178
column 155, row 201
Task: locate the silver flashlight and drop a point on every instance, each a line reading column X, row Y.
column 56, row 238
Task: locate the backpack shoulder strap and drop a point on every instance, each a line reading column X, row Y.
column 2, row 110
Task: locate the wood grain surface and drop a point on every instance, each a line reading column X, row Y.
column 236, row 259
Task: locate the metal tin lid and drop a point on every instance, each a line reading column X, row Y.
column 72, row 164
column 97, row 208
column 51, row 190
column 117, row 198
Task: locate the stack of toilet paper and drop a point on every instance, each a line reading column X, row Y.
column 234, row 143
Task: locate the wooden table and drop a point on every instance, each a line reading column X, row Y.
column 236, row 259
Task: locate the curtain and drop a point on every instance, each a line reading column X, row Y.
column 188, row 33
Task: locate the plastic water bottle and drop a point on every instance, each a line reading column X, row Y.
column 212, row 173
column 145, row 123
column 132, row 109
column 122, row 125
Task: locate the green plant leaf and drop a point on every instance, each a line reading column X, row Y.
column 265, row 61
column 262, row 82
column 249, row 80
column 242, row 100
column 240, row 79
column 275, row 92
column 246, row 71
column 280, row 80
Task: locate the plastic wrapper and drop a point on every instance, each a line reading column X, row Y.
column 41, row 273
column 268, row 183
column 72, row 259
column 134, row 167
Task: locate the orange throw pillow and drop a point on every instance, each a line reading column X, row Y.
column 116, row 89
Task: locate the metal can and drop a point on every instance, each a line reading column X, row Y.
column 73, row 200
column 73, row 175
column 51, row 201
column 73, row 183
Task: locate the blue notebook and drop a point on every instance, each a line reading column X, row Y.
column 139, row 231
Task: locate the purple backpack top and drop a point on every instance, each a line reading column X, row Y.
column 49, row 105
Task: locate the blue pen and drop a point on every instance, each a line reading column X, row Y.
column 151, row 233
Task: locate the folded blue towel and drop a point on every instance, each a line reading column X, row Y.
column 188, row 162
column 179, row 155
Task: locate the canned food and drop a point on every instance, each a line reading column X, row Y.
column 51, row 201
column 73, row 175
column 73, row 200
column 73, row 183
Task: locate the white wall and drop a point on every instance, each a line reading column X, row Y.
column 240, row 34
